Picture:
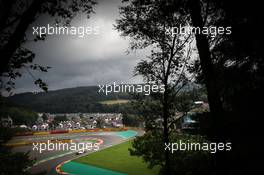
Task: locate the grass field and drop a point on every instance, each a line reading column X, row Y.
column 117, row 158
column 113, row 102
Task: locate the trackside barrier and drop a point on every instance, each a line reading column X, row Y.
column 41, row 133
column 93, row 130
column 28, row 143
column 59, row 131
column 97, row 129
column 70, row 131
column 77, row 131
column 16, row 144
column 106, row 129
column 115, row 129
column 24, row 133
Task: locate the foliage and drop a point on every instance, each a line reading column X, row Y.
column 59, row 118
column 19, row 115
column 147, row 24
column 150, row 147
column 132, row 120
column 100, row 123
column 80, row 99
column 15, row 19
column 10, row 162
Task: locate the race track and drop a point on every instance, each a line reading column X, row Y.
column 48, row 160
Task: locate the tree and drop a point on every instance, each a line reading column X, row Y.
column 232, row 69
column 59, row 118
column 19, row 115
column 12, row 163
column 100, row 122
column 146, row 24
column 239, row 63
column 15, row 20
column 45, row 117
column 131, row 120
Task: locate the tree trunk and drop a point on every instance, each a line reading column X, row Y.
column 166, row 130
column 15, row 39
column 207, row 66
column 216, row 109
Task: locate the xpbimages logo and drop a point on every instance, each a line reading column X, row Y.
column 146, row 89
column 191, row 146
column 212, row 31
column 80, row 31
column 62, row 146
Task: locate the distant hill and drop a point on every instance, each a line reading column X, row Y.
column 79, row 99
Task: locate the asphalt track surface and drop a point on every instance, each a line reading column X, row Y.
column 48, row 160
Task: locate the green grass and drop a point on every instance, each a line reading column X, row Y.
column 113, row 102
column 117, row 158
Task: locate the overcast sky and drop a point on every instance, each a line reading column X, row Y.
column 92, row 60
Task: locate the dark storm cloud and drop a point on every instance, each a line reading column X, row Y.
column 92, row 60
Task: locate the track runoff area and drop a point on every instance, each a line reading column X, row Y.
column 53, row 152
